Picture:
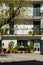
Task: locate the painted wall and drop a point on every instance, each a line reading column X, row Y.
column 41, row 9
column 23, row 28
column 41, row 23
column 28, row 42
column 6, row 42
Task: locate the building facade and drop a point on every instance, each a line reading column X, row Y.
column 29, row 28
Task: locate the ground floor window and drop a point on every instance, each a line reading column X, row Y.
column 22, row 42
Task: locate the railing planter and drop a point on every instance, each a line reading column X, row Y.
column 30, row 32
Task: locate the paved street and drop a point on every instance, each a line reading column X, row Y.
column 21, row 57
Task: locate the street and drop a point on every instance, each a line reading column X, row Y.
column 21, row 57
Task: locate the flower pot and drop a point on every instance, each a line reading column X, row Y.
column 42, row 33
column 31, row 51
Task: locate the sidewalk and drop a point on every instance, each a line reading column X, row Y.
column 21, row 57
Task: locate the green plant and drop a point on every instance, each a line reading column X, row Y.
column 18, row 45
column 31, row 47
column 1, row 30
column 11, row 44
column 10, row 47
column 15, row 50
column 30, row 32
column 26, row 51
column 6, row 29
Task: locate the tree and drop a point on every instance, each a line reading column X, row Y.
column 13, row 12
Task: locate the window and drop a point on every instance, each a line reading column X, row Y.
column 36, row 10
column 36, row 27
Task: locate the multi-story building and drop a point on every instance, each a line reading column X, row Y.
column 28, row 27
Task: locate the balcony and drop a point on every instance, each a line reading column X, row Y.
column 35, row 18
column 21, row 37
column 34, row 0
column 29, row 18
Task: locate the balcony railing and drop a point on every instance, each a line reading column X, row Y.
column 30, row 31
column 21, row 37
column 29, row 18
column 34, row 0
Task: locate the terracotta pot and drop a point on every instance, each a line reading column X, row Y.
column 31, row 51
column 42, row 33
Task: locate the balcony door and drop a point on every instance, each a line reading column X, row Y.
column 36, row 10
column 36, row 27
column 36, row 46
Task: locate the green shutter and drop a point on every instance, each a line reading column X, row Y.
column 11, row 27
column 41, row 46
column 36, row 28
column 36, row 11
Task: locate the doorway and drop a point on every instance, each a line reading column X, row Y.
column 36, row 46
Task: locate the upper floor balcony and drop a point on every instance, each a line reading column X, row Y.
column 30, row 35
column 31, row 0
column 30, row 18
column 21, row 37
column 34, row 0
column 34, row 14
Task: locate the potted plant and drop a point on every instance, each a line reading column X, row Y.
column 31, row 47
column 10, row 45
column 41, row 32
column 16, row 49
column 1, row 30
column 30, row 32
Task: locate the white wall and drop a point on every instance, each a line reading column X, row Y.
column 6, row 42
column 41, row 14
column 41, row 11
column 28, row 42
column 42, row 38
column 20, row 28
column 41, row 8
column 23, row 28
column 41, row 23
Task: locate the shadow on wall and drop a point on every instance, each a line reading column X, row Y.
column 33, row 62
